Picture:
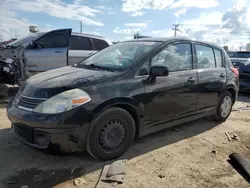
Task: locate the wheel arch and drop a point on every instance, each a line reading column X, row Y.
column 232, row 89
column 130, row 105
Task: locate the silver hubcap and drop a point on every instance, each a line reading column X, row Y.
column 226, row 106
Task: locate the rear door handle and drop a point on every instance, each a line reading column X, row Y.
column 191, row 79
column 222, row 75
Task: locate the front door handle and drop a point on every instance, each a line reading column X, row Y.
column 222, row 75
column 191, row 79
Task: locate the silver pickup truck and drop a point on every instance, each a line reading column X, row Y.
column 49, row 50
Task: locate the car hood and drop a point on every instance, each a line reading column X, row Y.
column 50, row 83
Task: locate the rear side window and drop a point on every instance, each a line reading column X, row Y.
column 177, row 57
column 218, row 57
column 205, row 57
column 99, row 44
column 79, row 43
column 56, row 39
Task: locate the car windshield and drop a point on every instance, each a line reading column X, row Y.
column 240, row 55
column 119, row 56
column 23, row 40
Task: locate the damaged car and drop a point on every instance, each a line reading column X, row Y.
column 44, row 51
column 123, row 92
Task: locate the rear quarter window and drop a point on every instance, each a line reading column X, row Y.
column 100, row 44
column 218, row 58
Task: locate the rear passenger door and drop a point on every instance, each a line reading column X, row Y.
column 211, row 75
column 80, row 47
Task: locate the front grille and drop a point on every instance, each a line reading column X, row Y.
column 29, row 103
column 24, row 132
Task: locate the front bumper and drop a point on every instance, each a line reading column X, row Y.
column 66, row 130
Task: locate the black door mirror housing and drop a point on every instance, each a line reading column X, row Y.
column 143, row 71
column 31, row 45
column 158, row 71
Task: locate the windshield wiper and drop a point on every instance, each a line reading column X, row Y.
column 97, row 67
column 8, row 46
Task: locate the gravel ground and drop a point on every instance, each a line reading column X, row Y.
column 178, row 157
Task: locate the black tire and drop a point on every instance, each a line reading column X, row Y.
column 123, row 126
column 218, row 116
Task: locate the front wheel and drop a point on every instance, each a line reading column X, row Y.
column 111, row 134
column 224, row 107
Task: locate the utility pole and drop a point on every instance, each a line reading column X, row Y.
column 81, row 27
column 175, row 29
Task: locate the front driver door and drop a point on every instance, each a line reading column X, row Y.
column 48, row 52
column 175, row 95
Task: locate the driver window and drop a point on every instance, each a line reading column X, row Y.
column 56, row 39
column 177, row 57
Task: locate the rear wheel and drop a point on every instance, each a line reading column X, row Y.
column 224, row 107
column 111, row 134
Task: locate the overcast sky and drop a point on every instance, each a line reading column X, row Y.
column 220, row 21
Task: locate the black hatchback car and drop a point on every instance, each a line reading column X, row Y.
column 125, row 91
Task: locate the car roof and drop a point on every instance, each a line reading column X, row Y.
column 166, row 39
column 92, row 36
column 87, row 35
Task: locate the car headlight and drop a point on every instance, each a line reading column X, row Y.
column 63, row 102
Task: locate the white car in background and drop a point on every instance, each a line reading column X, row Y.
column 45, row 51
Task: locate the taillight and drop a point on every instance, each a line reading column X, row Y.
column 235, row 71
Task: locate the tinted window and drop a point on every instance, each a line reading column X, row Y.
column 240, row 55
column 100, row 44
column 176, row 57
column 55, row 39
column 205, row 56
column 79, row 43
column 231, row 54
column 218, row 57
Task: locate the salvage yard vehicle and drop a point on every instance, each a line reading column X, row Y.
column 49, row 50
column 123, row 92
column 241, row 61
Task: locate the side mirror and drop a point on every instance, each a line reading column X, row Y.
column 143, row 71
column 31, row 44
column 157, row 71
